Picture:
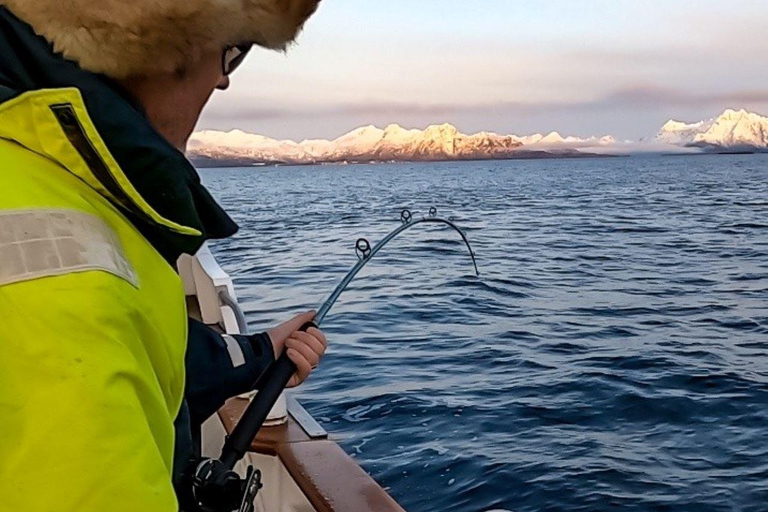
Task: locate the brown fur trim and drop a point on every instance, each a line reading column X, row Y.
column 122, row 38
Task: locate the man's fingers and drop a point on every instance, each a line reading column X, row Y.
column 317, row 333
column 305, row 350
column 294, row 324
column 303, row 367
column 311, row 341
column 282, row 331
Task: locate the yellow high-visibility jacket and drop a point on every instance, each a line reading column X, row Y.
column 92, row 325
column 95, row 207
column 97, row 410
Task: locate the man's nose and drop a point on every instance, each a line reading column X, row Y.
column 223, row 84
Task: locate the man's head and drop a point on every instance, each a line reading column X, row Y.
column 173, row 101
column 167, row 53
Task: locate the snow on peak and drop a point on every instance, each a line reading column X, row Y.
column 732, row 129
column 367, row 132
column 232, row 139
column 679, row 126
column 395, row 132
column 552, row 138
column 679, row 133
column 734, row 114
column 444, row 130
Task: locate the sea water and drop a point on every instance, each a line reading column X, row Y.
column 613, row 354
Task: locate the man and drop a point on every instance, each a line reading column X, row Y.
column 97, row 202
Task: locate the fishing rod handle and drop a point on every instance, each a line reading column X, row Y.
column 270, row 385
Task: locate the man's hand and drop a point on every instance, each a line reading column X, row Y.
column 303, row 348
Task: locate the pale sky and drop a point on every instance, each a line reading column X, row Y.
column 588, row 67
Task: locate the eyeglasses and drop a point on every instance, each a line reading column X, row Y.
column 233, row 56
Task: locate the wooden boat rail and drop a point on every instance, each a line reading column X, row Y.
column 331, row 480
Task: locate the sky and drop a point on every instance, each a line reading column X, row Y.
column 580, row 67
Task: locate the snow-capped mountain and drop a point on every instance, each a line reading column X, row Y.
column 677, row 133
column 393, row 143
column 556, row 141
column 732, row 130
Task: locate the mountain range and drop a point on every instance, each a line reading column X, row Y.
column 731, row 131
column 734, row 130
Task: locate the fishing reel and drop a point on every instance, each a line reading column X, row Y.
column 215, row 488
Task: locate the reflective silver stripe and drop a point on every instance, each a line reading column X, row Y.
column 235, row 352
column 40, row 243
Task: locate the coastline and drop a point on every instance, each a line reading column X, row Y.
column 216, row 163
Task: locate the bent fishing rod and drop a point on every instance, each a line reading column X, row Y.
column 216, row 487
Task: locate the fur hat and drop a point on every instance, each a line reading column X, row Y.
column 122, row 38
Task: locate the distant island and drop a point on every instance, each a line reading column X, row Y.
column 733, row 131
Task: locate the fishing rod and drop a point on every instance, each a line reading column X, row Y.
column 365, row 253
column 216, row 487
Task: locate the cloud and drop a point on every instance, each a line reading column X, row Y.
column 239, row 113
column 629, row 97
column 655, row 95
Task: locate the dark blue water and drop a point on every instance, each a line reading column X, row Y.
column 613, row 355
